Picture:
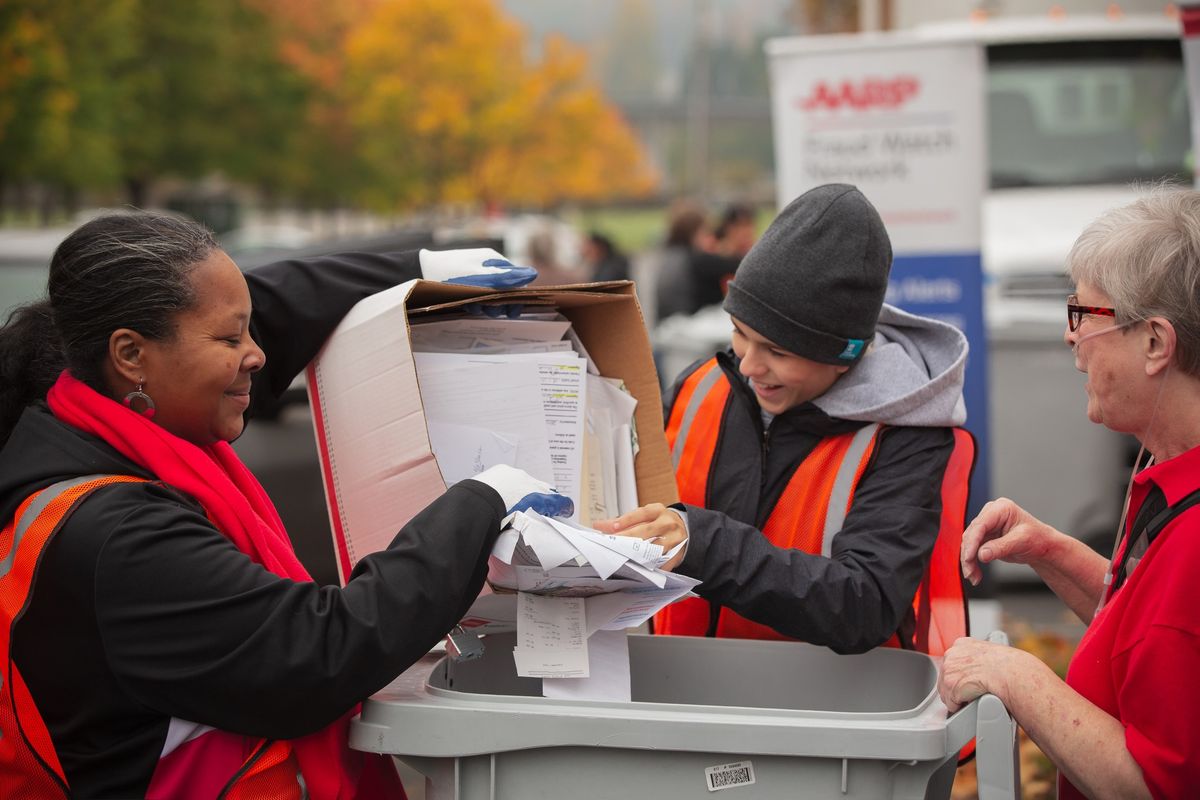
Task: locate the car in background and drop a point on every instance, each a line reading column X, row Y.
column 24, row 260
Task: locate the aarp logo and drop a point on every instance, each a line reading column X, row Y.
column 860, row 95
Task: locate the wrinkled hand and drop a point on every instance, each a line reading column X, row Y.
column 654, row 522
column 972, row 668
column 520, row 491
column 1003, row 531
column 480, row 266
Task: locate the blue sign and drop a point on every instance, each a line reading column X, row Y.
column 949, row 287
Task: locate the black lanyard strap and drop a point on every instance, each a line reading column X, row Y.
column 1144, row 535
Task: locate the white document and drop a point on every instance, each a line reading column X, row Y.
column 577, row 343
column 600, row 476
column 562, row 394
column 608, row 672
column 619, row 578
column 505, row 398
column 551, row 637
column 611, row 416
column 632, row 607
column 463, row 451
column 627, row 496
column 500, row 349
column 471, row 331
column 491, row 613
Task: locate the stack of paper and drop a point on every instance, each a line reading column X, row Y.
column 524, row 392
column 572, row 583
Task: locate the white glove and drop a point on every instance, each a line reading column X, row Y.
column 481, row 266
column 521, row 491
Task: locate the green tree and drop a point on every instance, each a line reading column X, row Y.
column 57, row 100
column 322, row 169
column 208, row 92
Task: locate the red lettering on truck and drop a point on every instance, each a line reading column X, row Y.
column 861, row 95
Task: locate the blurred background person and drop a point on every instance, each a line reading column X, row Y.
column 674, row 289
column 736, row 231
column 543, row 255
column 714, row 264
column 602, row 259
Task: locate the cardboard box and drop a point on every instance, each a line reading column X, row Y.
column 376, row 461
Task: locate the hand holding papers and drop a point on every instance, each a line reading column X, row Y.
column 652, row 523
column 612, row 583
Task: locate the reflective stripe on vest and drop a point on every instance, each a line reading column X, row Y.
column 29, row 764
column 811, row 511
column 704, row 394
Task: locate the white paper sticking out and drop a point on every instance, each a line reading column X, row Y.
column 608, row 667
column 500, row 397
column 551, row 637
column 617, row 581
column 464, row 451
column 463, row 333
column 627, row 497
column 558, row 379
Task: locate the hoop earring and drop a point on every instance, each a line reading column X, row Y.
column 142, row 399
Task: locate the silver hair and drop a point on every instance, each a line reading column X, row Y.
column 1146, row 258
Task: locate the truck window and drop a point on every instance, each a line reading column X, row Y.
column 1074, row 113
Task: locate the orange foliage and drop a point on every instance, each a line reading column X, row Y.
column 446, row 109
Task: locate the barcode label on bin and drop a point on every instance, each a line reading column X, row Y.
column 728, row 776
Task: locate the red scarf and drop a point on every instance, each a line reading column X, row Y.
column 237, row 505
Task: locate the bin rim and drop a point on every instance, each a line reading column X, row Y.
column 412, row 718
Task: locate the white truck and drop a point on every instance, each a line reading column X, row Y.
column 1076, row 112
column 1080, row 112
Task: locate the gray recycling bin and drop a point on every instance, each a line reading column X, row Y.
column 748, row 719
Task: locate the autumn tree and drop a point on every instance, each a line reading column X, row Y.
column 310, row 36
column 574, row 144
column 388, row 103
column 447, row 109
column 208, row 93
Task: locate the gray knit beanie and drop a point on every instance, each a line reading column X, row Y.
column 814, row 283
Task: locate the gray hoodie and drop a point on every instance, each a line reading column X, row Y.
column 912, row 375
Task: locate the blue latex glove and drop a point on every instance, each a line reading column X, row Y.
column 520, row 491
column 480, row 266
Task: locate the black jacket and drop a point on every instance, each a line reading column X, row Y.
column 143, row 611
column 862, row 594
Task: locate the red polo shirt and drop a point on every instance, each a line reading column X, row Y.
column 1140, row 657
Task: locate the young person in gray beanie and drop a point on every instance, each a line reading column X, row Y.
column 822, row 474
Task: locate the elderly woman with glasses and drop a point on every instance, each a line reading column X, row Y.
column 1123, row 723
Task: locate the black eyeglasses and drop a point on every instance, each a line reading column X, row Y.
column 1075, row 312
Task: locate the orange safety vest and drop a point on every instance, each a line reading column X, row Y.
column 811, row 511
column 242, row 768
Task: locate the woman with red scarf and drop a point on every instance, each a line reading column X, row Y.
column 161, row 639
